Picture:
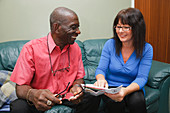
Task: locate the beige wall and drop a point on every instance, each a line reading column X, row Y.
column 29, row 19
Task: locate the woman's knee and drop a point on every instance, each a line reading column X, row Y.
column 136, row 102
column 136, row 98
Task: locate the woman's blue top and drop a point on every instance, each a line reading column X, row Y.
column 116, row 72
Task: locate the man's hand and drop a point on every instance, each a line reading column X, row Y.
column 77, row 91
column 40, row 98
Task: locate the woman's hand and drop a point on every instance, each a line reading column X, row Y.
column 118, row 97
column 101, row 82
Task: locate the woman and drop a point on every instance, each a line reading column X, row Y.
column 126, row 60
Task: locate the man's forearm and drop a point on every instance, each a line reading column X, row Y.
column 22, row 90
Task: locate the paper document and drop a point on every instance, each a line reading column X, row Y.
column 95, row 90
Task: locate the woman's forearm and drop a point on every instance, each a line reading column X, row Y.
column 131, row 88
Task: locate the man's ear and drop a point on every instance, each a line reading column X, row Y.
column 56, row 27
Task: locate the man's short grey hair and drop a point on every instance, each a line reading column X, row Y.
column 59, row 14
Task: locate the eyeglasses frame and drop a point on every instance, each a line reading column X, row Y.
column 59, row 96
column 123, row 28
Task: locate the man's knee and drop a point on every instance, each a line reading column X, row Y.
column 89, row 104
column 19, row 106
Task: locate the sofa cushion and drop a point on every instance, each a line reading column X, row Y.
column 60, row 109
column 7, row 90
column 9, row 53
column 158, row 72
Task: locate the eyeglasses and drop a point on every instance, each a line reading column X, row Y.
column 62, row 69
column 124, row 28
column 59, row 96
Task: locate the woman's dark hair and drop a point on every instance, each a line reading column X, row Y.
column 134, row 18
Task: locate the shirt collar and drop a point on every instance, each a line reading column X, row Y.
column 52, row 44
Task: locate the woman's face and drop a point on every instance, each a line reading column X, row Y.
column 124, row 32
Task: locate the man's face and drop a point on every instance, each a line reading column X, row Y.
column 69, row 30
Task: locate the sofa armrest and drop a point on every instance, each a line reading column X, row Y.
column 158, row 73
column 164, row 96
column 159, row 78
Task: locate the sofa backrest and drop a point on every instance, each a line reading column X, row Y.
column 9, row 52
column 91, row 52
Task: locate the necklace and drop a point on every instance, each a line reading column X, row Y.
column 62, row 69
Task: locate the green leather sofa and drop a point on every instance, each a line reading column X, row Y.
column 157, row 88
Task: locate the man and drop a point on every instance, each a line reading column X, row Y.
column 50, row 67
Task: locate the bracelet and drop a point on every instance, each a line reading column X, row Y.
column 27, row 97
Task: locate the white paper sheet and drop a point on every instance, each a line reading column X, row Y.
column 96, row 91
